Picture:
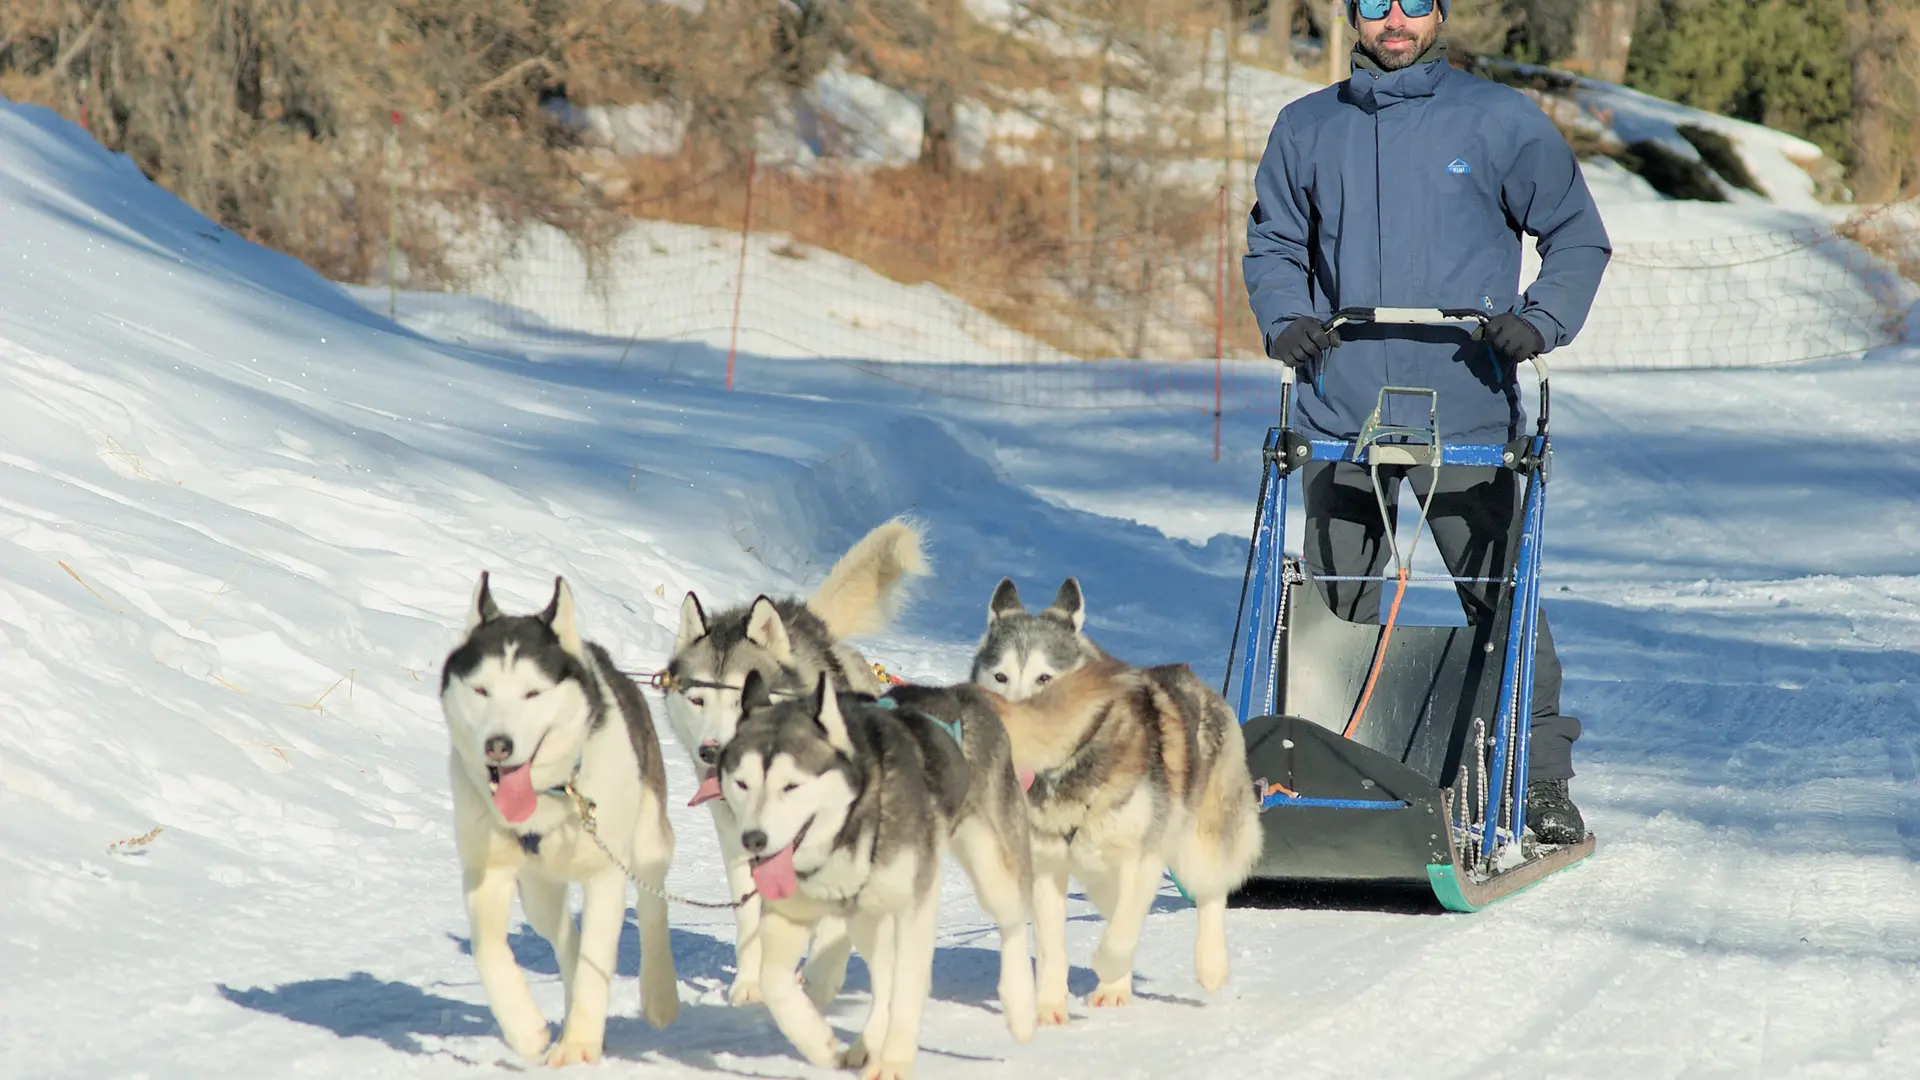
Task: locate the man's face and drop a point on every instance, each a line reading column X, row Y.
column 1397, row 40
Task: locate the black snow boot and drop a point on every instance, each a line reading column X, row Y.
column 1551, row 814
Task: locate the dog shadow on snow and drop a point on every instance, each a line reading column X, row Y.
column 365, row 1006
column 965, row 974
column 708, row 1033
column 400, row 1014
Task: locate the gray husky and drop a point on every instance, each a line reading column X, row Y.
column 536, row 714
column 1134, row 771
column 791, row 643
column 846, row 806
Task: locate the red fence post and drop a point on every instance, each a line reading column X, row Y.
column 740, row 278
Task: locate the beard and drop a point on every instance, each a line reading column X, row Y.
column 1395, row 59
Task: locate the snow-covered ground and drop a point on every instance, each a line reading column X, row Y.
column 241, row 515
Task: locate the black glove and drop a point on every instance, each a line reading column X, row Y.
column 1514, row 339
column 1302, row 340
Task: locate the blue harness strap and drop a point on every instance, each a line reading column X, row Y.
column 952, row 729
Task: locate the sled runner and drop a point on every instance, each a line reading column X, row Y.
column 1392, row 753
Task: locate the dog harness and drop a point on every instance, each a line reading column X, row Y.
column 951, row 728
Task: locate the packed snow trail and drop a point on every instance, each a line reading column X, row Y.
column 241, row 516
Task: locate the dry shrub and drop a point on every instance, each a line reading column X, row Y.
column 998, row 238
column 1891, row 232
column 272, row 116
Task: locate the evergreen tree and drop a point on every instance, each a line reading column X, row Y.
column 1783, row 63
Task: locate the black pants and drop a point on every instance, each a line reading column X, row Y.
column 1475, row 518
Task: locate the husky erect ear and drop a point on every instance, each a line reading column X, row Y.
column 826, row 710
column 1006, row 601
column 483, row 609
column 559, row 619
column 768, row 630
column 754, row 693
column 693, row 622
column 1069, row 605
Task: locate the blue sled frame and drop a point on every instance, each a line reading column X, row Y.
column 1423, row 788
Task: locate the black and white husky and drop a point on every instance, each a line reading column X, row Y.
column 791, row 643
column 532, row 710
column 846, row 806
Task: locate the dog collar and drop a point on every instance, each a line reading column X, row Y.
column 561, row 788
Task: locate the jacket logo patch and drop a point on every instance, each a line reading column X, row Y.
column 1458, row 166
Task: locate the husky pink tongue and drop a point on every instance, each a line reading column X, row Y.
column 709, row 788
column 1026, row 779
column 514, row 794
column 774, row 875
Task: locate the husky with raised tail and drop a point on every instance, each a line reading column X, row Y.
column 536, row 714
column 792, row 644
column 1134, row 771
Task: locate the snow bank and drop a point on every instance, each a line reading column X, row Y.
column 668, row 282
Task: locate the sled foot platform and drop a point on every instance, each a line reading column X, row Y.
column 1340, row 818
column 1458, row 890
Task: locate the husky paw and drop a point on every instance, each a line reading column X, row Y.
column 856, row 1055
column 573, row 1052
column 823, row 987
column 828, row 1055
column 1111, row 994
column 1053, row 1013
column 1022, row 1024
column 1212, row 973
column 745, row 993
column 661, row 1010
column 529, row 1042
column 1210, row 948
column 883, row 1070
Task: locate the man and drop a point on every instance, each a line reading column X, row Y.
column 1408, row 185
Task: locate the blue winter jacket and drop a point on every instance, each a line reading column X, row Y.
column 1410, row 189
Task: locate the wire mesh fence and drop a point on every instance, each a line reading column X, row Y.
column 1156, row 316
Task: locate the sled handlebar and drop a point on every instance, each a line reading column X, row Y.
column 1405, row 316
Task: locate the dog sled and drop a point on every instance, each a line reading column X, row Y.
column 1392, row 753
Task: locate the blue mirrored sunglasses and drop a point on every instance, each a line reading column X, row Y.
column 1377, row 9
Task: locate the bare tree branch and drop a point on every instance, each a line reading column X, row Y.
column 79, row 43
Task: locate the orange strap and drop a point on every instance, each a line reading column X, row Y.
column 1379, row 654
column 1279, row 789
